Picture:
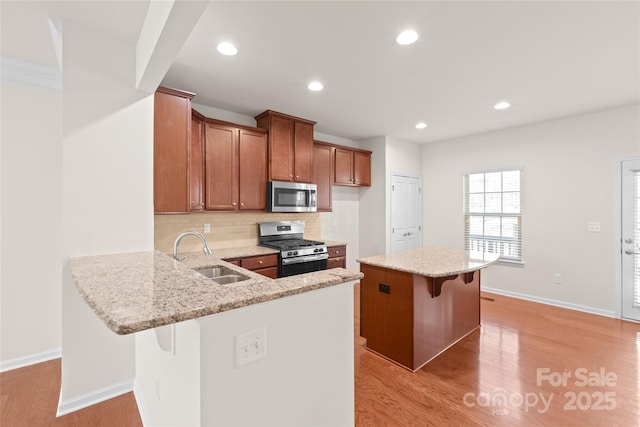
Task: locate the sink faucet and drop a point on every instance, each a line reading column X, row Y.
column 205, row 246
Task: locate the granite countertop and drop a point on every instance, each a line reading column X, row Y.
column 433, row 261
column 330, row 243
column 132, row 292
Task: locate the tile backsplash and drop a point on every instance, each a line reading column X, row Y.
column 228, row 229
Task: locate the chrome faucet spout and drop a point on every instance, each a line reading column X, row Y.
column 205, row 246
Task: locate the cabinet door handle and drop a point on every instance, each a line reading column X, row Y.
column 259, row 262
column 241, row 204
column 233, row 204
column 290, row 176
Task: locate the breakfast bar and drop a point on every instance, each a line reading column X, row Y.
column 206, row 349
column 416, row 304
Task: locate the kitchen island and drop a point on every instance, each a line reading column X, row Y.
column 256, row 352
column 416, row 304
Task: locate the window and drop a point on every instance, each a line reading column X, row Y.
column 492, row 214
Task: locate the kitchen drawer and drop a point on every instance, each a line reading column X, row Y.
column 337, row 251
column 259, row 262
column 337, row 262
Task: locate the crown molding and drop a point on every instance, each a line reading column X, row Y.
column 17, row 70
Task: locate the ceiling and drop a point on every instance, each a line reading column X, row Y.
column 549, row 59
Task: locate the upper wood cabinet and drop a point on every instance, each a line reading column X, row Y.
column 171, row 150
column 290, row 146
column 352, row 167
column 252, row 175
column 196, row 163
column 235, row 167
column 362, row 168
column 323, row 154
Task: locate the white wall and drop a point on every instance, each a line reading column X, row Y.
column 390, row 155
column 31, row 223
column 403, row 158
column 373, row 206
column 306, row 378
column 217, row 113
column 107, row 199
column 568, row 169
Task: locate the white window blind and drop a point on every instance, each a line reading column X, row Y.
column 636, row 238
column 492, row 214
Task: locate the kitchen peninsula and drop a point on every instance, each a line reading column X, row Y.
column 206, row 352
column 416, row 304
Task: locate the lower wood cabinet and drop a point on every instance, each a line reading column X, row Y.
column 337, row 256
column 267, row 265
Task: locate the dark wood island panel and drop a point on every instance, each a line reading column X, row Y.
column 404, row 318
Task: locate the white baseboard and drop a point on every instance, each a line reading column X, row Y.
column 32, row 359
column 562, row 304
column 139, row 402
column 97, row 396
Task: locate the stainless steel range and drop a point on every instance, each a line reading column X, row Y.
column 297, row 255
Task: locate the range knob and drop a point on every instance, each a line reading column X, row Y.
column 289, row 253
column 295, row 252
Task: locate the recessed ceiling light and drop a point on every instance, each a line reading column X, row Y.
column 502, row 105
column 421, row 125
column 315, row 86
column 407, row 37
column 227, row 48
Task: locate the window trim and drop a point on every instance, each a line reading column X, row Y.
column 468, row 237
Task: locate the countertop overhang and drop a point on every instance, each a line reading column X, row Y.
column 131, row 292
column 433, row 261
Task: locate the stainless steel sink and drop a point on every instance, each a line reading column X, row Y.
column 221, row 274
column 229, row 278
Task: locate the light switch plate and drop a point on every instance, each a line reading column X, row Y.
column 251, row 346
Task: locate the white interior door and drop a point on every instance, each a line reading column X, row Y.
column 406, row 213
column 631, row 239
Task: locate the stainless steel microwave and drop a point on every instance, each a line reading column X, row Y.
column 291, row 197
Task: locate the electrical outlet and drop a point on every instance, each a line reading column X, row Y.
column 594, row 227
column 251, row 346
column 207, row 228
column 557, row 279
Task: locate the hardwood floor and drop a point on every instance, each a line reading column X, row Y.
column 529, row 365
column 29, row 398
column 510, row 373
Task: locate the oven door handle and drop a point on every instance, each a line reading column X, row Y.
column 304, row 258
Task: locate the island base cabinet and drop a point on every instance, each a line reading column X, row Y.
column 188, row 374
column 403, row 319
